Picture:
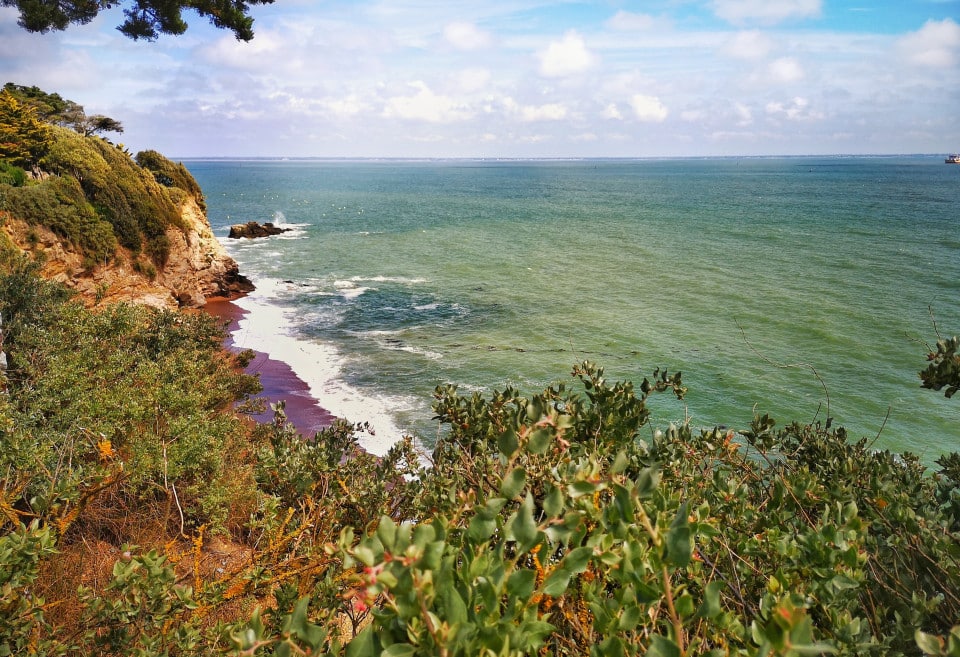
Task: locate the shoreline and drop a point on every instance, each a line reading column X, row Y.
column 278, row 379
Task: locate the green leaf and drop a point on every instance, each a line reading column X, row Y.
column 620, row 463
column 661, row 646
column 432, row 555
column 611, row 647
column 553, row 502
column 629, row 618
column 533, row 633
column 524, row 527
column 364, row 555
column 679, row 546
column 484, row 523
column 581, row 488
column 513, row 483
column 930, row 644
column 647, row 481
column 710, row 607
column 539, row 440
column 482, row 526
column 813, row 648
column 557, row 582
column 362, row 645
column 387, row 533
column 456, row 608
column 424, row 534
column 521, row 583
column 507, row 443
column 684, row 605
column 577, row 559
column 400, row 650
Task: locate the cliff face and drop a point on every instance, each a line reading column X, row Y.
column 197, row 266
column 118, row 228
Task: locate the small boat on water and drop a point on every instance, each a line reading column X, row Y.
column 953, row 159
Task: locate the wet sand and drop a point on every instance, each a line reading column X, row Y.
column 276, row 377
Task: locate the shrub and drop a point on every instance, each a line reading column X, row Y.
column 59, row 204
column 12, row 175
column 170, row 175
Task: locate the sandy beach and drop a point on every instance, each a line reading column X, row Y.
column 277, row 378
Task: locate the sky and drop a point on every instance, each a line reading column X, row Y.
column 520, row 79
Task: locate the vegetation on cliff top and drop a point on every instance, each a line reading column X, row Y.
column 140, row 516
column 87, row 190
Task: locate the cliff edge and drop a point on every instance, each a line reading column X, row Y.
column 117, row 228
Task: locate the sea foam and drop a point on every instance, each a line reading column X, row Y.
column 265, row 328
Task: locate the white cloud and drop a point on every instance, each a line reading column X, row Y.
column 785, row 69
column 743, row 113
column 626, row 21
column 936, row 44
column 648, row 108
column 345, row 107
column 260, row 54
column 611, row 111
column 425, row 105
column 548, row 112
column 767, row 12
column 471, row 80
column 466, row 36
column 750, row 44
column 532, row 113
column 797, row 109
column 568, row 56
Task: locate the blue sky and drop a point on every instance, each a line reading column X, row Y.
column 521, row 78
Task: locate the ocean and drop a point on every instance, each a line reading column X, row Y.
column 786, row 286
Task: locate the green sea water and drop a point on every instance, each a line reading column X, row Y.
column 792, row 286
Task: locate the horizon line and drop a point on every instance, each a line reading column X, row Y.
column 468, row 158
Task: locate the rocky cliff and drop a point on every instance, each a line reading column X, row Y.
column 115, row 228
column 197, row 266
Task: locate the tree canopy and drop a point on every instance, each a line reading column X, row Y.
column 145, row 19
column 24, row 138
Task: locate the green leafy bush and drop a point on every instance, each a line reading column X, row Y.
column 60, row 205
column 12, row 175
column 134, row 399
column 558, row 523
column 170, row 175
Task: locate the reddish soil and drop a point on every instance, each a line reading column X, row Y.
column 277, row 378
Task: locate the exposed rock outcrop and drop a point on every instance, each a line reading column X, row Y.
column 197, row 267
column 252, row 229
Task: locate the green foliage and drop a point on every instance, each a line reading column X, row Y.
column 133, row 398
column 23, row 627
column 60, row 205
column 170, row 175
column 99, row 197
column 143, row 611
column 24, row 138
column 54, row 109
column 11, row 175
column 559, row 523
column 944, row 368
column 145, row 19
column 51, row 108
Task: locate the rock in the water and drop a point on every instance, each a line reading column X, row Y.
column 252, row 229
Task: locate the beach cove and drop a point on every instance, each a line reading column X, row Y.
column 400, row 276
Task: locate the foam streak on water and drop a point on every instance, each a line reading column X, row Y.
column 409, row 275
column 266, row 327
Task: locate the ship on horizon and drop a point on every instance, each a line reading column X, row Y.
column 953, row 159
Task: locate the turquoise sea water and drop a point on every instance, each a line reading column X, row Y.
column 399, row 276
